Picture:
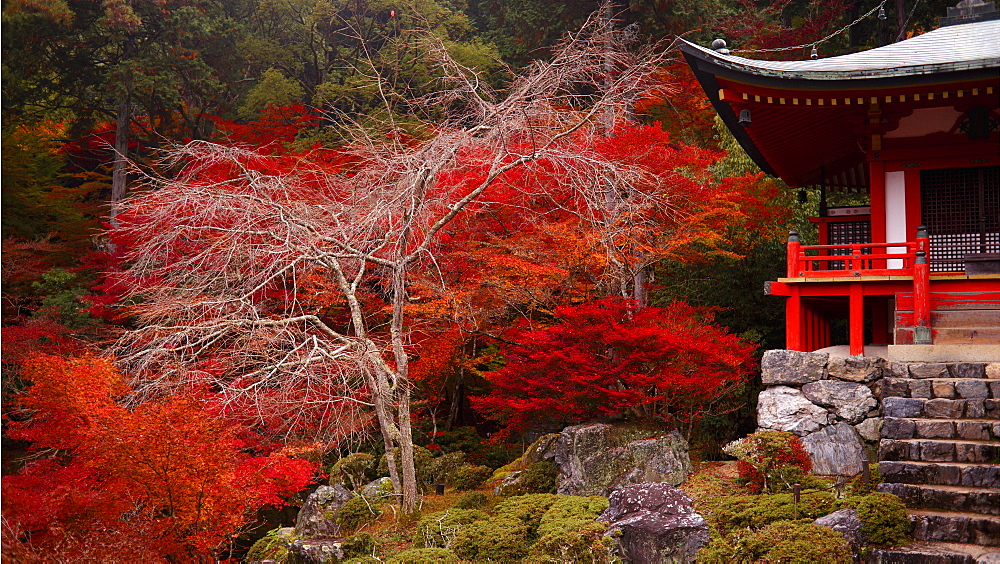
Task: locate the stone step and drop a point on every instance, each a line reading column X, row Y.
column 914, row 408
column 961, row 429
column 954, row 526
column 946, row 474
column 930, row 552
column 945, row 388
column 985, row 501
column 939, row 450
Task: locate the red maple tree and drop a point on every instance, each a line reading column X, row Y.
column 612, row 357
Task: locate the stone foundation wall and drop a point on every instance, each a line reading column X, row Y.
column 836, row 403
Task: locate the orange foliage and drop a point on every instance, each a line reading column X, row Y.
column 167, row 471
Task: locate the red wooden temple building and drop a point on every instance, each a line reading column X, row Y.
column 914, row 125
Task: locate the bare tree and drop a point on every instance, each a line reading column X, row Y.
column 219, row 252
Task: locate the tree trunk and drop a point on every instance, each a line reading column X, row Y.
column 119, row 172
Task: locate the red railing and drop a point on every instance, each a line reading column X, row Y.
column 817, row 262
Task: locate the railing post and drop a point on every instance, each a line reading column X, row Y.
column 921, row 300
column 794, row 244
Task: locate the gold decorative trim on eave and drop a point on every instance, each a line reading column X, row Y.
column 729, row 95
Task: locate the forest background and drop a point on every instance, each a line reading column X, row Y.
column 130, row 415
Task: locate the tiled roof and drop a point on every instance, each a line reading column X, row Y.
column 971, row 46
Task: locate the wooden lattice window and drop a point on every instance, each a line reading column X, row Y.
column 848, row 233
column 961, row 209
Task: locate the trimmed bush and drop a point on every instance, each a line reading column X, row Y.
column 537, row 478
column 585, row 543
column 421, row 555
column 794, row 543
column 357, row 512
column 472, row 500
column 352, row 470
column 757, row 511
column 503, row 539
column 361, row 545
column 770, row 461
column 470, row 476
column 527, row 509
column 883, row 517
column 439, row 530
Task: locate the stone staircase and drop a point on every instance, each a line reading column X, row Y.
column 940, row 453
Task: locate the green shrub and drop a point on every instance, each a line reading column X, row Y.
column 770, row 461
column 537, row 478
column 571, row 513
column 757, row 511
column 352, row 470
column 439, row 530
column 794, row 543
column 883, row 517
column 503, row 539
column 420, row 555
column 272, row 546
column 585, row 543
column 470, row 476
column 528, row 509
column 356, row 512
column 857, row 486
column 440, row 469
column 359, row 546
column 567, row 532
column 472, row 500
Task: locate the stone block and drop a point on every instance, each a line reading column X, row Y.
column 937, row 451
column 889, row 449
column 935, row 429
column 939, row 528
column 909, row 473
column 902, row 407
column 991, row 408
column 993, row 370
column 941, row 388
column 932, row 370
column 994, row 388
column 972, row 430
column 972, row 389
column 897, row 370
column 855, row 368
column 975, row 452
column 783, row 408
column 981, row 476
column 895, row 388
column 967, row 370
column 784, row 367
column 944, row 409
column 870, row 429
column 895, row 428
column 974, row 409
column 850, row 401
column 920, row 388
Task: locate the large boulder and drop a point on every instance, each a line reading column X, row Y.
column 318, row 516
column 850, row 401
column 781, row 367
column 596, row 458
column 653, row 523
column 781, row 408
column 847, row 523
column 836, row 450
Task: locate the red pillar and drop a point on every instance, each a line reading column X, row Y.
column 794, row 243
column 921, row 291
column 857, row 320
column 793, row 320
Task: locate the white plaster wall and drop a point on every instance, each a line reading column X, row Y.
column 895, row 214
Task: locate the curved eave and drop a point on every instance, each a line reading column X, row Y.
column 954, row 54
